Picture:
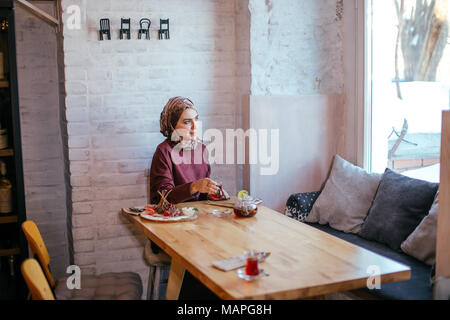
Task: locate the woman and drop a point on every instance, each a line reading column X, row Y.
column 187, row 180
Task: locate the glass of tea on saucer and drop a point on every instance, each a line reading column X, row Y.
column 251, row 263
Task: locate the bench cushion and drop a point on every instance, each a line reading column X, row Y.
column 417, row 288
column 346, row 197
column 421, row 243
column 108, row 286
column 399, row 206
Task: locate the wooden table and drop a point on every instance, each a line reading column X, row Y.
column 304, row 262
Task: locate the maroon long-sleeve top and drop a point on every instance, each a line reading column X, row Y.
column 167, row 174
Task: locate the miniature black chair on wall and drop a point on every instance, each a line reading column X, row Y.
column 144, row 28
column 165, row 30
column 105, row 28
column 125, row 25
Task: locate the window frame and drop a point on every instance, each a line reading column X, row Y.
column 367, row 93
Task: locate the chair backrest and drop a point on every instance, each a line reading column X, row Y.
column 145, row 23
column 104, row 24
column 164, row 22
column 36, row 281
column 126, row 22
column 38, row 248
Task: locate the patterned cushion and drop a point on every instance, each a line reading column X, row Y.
column 299, row 205
column 108, row 286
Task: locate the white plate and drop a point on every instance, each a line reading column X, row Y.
column 168, row 219
column 188, row 215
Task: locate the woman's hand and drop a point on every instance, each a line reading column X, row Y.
column 205, row 185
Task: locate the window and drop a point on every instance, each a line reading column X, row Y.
column 407, row 84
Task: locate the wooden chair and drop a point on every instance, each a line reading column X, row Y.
column 108, row 286
column 38, row 248
column 36, row 281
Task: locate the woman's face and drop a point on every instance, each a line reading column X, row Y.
column 187, row 124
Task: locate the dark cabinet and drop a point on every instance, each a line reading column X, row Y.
column 13, row 246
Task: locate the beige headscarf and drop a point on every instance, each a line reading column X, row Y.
column 172, row 112
column 170, row 116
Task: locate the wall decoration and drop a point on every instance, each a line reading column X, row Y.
column 105, row 28
column 125, row 25
column 164, row 28
column 144, row 28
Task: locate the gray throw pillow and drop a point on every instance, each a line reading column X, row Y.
column 421, row 243
column 346, row 198
column 400, row 204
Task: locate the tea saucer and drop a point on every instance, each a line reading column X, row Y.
column 242, row 275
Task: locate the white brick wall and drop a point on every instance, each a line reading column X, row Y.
column 219, row 51
column 42, row 145
column 296, row 47
column 115, row 93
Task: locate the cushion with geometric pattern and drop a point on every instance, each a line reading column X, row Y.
column 299, row 205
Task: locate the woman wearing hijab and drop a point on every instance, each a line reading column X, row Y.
column 187, row 180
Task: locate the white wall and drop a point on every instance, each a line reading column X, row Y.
column 297, row 68
column 115, row 92
column 296, row 47
column 219, row 53
column 41, row 131
column 243, row 78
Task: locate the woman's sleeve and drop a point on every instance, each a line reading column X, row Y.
column 161, row 178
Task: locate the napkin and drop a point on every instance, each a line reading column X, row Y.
column 237, row 261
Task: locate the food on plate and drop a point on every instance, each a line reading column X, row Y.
column 165, row 208
column 189, row 211
column 150, row 210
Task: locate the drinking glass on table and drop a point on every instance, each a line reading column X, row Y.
column 251, row 264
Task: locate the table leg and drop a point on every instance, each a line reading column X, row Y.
column 175, row 280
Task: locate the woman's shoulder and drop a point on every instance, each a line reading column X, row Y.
column 162, row 150
column 164, row 146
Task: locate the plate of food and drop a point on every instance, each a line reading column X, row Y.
column 163, row 211
column 172, row 215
